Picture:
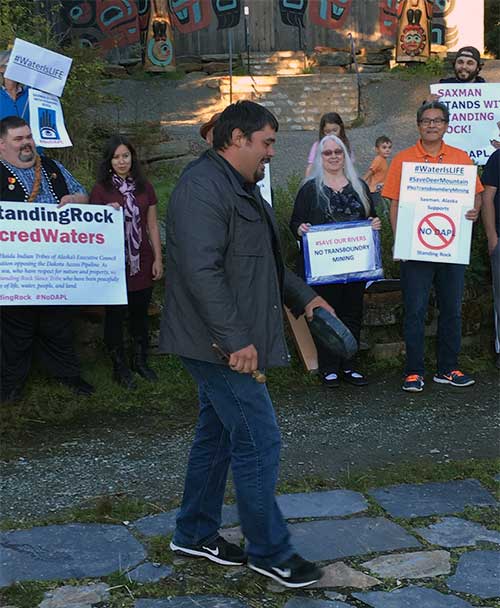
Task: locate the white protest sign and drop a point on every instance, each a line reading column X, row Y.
column 47, row 120
column 474, row 117
column 431, row 224
column 71, row 255
column 265, row 185
column 37, row 67
column 342, row 251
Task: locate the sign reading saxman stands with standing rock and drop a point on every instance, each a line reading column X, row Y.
column 433, row 201
column 474, row 117
column 69, row 255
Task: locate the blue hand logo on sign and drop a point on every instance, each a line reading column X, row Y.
column 47, row 124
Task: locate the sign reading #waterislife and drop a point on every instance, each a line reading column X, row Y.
column 433, row 200
column 342, row 252
column 71, row 255
column 37, row 67
column 474, row 117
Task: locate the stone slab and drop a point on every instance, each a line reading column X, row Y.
column 435, row 498
column 342, row 575
column 306, row 602
column 478, row 573
column 67, row 551
column 73, row 597
column 456, row 532
column 410, row 597
column 335, row 503
column 149, row 573
column 164, row 523
column 419, row 564
column 334, row 539
column 193, row 601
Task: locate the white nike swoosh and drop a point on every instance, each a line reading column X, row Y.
column 284, row 573
column 212, row 551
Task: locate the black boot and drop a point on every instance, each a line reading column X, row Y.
column 140, row 362
column 121, row 373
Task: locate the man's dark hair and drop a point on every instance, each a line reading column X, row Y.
column 433, row 105
column 245, row 115
column 105, row 170
column 383, row 139
column 11, row 122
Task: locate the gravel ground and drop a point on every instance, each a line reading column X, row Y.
column 325, row 432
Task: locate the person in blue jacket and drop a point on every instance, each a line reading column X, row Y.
column 13, row 95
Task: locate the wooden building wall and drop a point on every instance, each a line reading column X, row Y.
column 268, row 33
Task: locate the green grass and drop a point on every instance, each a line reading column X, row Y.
column 423, row 471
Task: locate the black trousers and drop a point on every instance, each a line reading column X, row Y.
column 137, row 310
column 347, row 300
column 50, row 329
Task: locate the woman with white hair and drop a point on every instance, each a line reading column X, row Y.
column 13, row 96
column 333, row 192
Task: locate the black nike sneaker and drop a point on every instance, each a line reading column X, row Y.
column 218, row 551
column 295, row 572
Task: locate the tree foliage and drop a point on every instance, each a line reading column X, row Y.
column 37, row 21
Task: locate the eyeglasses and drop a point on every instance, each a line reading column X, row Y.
column 337, row 152
column 432, row 121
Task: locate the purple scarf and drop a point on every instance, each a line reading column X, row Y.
column 133, row 232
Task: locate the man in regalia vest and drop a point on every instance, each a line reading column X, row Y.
column 27, row 177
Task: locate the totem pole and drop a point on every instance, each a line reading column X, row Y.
column 414, row 31
column 159, row 48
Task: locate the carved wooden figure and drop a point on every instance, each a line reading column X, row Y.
column 414, row 31
column 159, row 47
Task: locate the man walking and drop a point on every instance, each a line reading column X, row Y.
column 418, row 277
column 225, row 288
column 490, row 214
column 27, row 177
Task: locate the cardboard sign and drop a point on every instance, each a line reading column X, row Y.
column 433, row 200
column 71, row 255
column 47, row 120
column 474, row 117
column 342, row 252
column 37, row 67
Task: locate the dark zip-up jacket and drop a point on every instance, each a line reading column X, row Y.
column 225, row 278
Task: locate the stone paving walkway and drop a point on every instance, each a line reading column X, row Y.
column 402, row 546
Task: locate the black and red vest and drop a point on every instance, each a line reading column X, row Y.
column 14, row 191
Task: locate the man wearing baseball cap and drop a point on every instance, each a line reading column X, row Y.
column 466, row 66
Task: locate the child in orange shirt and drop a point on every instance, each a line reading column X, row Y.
column 375, row 176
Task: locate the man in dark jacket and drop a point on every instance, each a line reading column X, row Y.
column 225, row 287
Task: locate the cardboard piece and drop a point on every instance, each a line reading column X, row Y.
column 303, row 341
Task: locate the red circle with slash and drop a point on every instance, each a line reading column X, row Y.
column 444, row 234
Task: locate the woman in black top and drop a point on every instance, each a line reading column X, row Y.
column 334, row 193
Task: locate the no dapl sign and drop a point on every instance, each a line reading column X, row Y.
column 436, row 231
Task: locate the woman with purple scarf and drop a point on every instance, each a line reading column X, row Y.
column 120, row 183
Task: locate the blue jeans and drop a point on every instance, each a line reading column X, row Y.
column 236, row 426
column 417, row 279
